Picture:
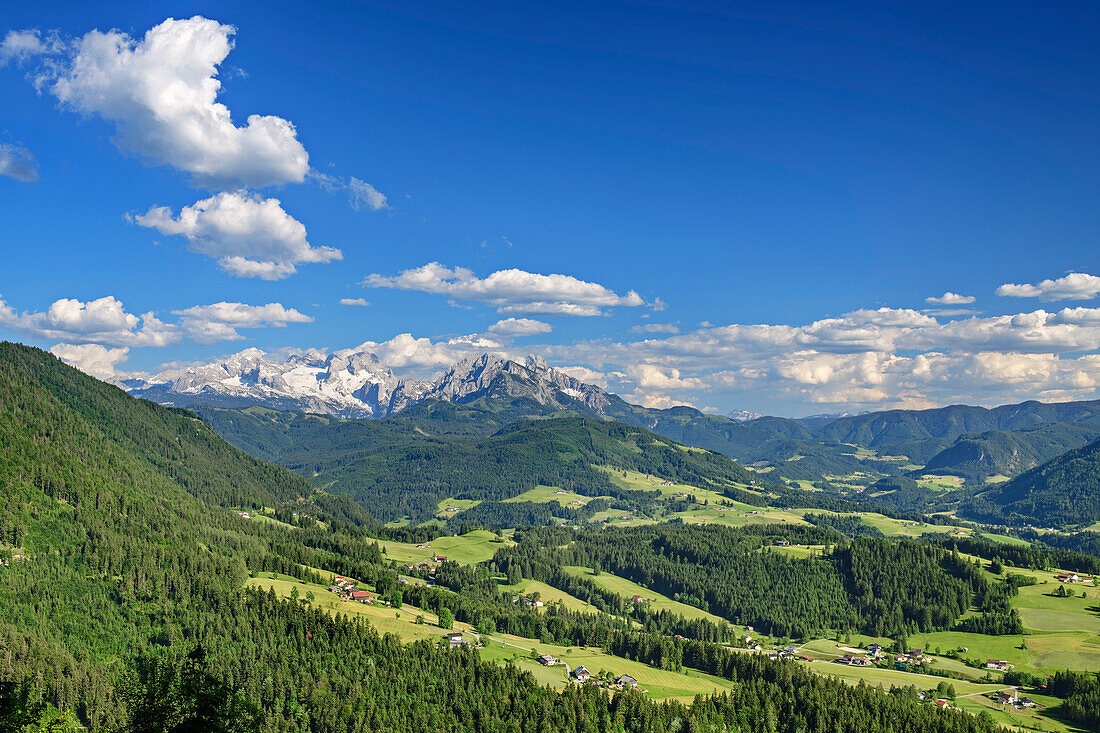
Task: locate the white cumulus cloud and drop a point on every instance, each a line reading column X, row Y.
column 950, row 298
column 250, row 236
column 103, row 321
column 510, row 291
column 520, row 327
column 94, row 359
column 1074, row 286
column 207, row 324
column 161, row 93
column 354, row 301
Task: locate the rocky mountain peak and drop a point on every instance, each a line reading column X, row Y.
column 355, row 383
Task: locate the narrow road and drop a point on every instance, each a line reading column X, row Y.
column 568, row 669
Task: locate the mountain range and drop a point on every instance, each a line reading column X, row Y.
column 972, row 442
column 355, row 384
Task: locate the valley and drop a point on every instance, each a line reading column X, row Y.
column 599, row 543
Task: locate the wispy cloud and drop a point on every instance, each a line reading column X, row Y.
column 17, row 162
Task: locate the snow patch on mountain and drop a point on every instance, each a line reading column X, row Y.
column 354, row 383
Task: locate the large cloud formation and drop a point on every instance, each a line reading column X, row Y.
column 105, row 322
column 250, row 236
column 161, row 93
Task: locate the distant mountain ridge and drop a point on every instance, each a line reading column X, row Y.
column 354, row 383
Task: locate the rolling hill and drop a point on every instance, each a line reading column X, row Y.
column 397, row 469
column 996, row 452
column 1064, row 491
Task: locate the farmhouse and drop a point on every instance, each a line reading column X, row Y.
column 581, row 674
column 626, row 680
column 549, row 660
column 454, row 638
column 359, row 595
column 999, row 665
column 1068, row 578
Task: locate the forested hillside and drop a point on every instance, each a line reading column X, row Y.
column 1063, row 491
column 996, row 452
column 122, row 588
column 878, row 587
column 397, row 469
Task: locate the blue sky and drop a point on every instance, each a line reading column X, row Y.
column 758, row 203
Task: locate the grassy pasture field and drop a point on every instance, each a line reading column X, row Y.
column 1003, row 539
column 449, row 507
column 468, row 549
column 546, row 494
column 893, row 677
column 626, row 589
column 940, row 483
column 739, row 517
column 547, row 593
column 1062, row 633
column 898, row 528
column 401, row 622
column 660, row 684
column 643, row 482
column 1024, row 720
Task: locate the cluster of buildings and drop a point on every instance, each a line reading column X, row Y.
column 876, row 653
column 348, row 590
column 425, row 565
column 787, row 652
column 528, row 602
column 999, row 665
column 584, row 677
column 1012, row 697
column 1072, row 578
column 243, row 515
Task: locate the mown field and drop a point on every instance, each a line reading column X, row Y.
column 627, row 589
column 468, row 549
